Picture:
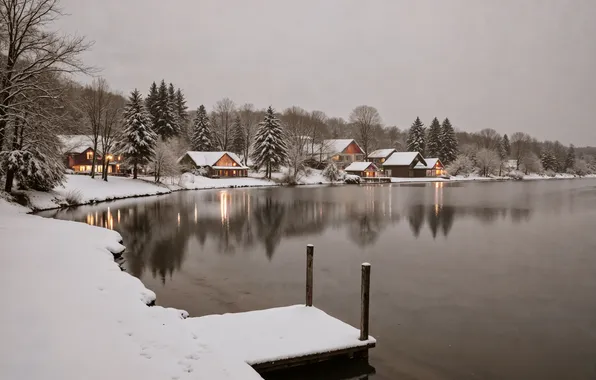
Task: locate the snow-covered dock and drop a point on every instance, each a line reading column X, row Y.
column 281, row 337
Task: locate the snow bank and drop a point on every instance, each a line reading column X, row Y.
column 314, row 177
column 69, row 312
column 189, row 181
column 94, row 190
column 273, row 334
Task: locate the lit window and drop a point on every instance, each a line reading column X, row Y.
column 233, row 172
column 89, row 155
column 119, row 158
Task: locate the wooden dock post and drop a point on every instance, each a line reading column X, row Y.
column 310, row 250
column 364, row 301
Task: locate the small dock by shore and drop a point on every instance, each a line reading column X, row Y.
column 371, row 180
column 292, row 336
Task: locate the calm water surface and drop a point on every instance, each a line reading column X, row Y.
column 469, row 281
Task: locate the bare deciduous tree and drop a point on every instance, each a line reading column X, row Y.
column 222, row 119
column 488, row 161
column 95, row 104
column 520, row 147
column 489, row 139
column 29, row 50
column 111, row 131
column 249, row 120
column 365, row 120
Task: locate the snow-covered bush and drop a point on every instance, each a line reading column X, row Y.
column 73, row 197
column 332, row 173
column 549, row 173
column 516, row 174
column 462, row 165
column 581, row 168
column 34, row 169
column 487, row 161
column 352, row 179
column 530, row 163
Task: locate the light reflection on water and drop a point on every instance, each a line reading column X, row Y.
column 495, row 279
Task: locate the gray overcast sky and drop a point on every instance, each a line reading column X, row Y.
column 510, row 65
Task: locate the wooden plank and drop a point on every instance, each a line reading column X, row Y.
column 351, row 352
column 365, row 301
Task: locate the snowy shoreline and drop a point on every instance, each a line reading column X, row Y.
column 92, row 191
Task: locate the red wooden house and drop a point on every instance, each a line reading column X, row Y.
column 78, row 155
column 214, row 164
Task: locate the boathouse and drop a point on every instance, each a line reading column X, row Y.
column 403, row 164
column 214, row 164
column 363, row 169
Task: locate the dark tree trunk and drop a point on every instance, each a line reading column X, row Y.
column 134, row 171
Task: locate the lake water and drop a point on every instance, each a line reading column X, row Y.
column 469, row 280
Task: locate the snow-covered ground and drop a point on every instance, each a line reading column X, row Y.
column 314, row 177
column 69, row 312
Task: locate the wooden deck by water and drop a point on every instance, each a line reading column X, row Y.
column 291, row 336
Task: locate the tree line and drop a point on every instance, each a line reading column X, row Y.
column 39, row 101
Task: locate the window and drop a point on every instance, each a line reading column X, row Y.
column 89, row 155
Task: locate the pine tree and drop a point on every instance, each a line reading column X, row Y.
column 570, row 160
column 416, row 138
column 548, row 160
column 433, row 145
column 165, row 124
column 449, row 147
column 506, row 145
column 201, row 138
column 181, row 110
column 238, row 139
column 139, row 139
column 269, row 149
column 151, row 105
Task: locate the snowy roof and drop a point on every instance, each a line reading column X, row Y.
column 381, row 153
column 76, row 143
column 211, row 158
column 431, row 162
column 359, row 166
column 335, row 145
column 403, row 159
column 420, row 165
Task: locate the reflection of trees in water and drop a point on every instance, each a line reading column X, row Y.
column 157, row 233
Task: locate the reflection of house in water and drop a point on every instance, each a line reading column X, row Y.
column 157, row 231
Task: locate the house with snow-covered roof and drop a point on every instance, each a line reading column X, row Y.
column 362, row 169
column 214, row 164
column 342, row 151
column 78, row 154
column 434, row 167
column 379, row 156
column 403, row 164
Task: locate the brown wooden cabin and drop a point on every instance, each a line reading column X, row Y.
column 78, row 155
column 434, row 167
column 214, row 164
column 403, row 165
column 363, row 169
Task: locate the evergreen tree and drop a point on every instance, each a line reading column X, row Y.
column 449, row 147
column 238, row 139
column 201, row 138
column 506, row 145
column 165, row 123
column 151, row 105
column 416, row 138
column 548, row 160
column 181, row 109
column 174, row 107
column 269, row 149
column 433, row 142
column 570, row 160
column 138, row 140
